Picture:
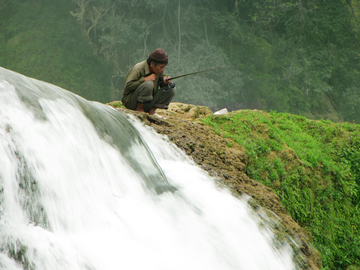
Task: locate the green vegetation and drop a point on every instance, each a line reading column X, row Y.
column 41, row 39
column 293, row 56
column 314, row 167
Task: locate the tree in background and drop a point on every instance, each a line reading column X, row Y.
column 40, row 39
column 312, row 55
column 293, row 56
column 124, row 32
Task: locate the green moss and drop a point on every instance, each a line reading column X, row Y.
column 229, row 144
column 313, row 166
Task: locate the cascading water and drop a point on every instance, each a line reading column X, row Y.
column 80, row 189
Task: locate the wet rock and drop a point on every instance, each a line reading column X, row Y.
column 226, row 160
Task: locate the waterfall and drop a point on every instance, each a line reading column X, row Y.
column 85, row 187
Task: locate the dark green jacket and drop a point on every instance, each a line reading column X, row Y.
column 136, row 76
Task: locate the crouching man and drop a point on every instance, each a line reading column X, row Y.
column 146, row 87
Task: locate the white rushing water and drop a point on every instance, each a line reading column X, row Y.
column 74, row 197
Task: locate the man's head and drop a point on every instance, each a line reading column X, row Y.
column 157, row 61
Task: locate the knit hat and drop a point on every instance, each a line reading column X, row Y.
column 159, row 56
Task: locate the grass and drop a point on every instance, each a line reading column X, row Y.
column 314, row 166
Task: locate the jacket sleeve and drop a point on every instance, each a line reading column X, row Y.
column 134, row 79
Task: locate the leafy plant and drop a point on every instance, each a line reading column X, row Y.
column 315, row 172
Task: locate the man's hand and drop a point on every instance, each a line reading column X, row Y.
column 151, row 77
column 166, row 80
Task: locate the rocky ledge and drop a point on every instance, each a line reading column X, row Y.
column 226, row 163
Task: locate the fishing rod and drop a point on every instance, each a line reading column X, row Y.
column 188, row 74
column 172, row 85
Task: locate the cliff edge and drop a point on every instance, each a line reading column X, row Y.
column 227, row 162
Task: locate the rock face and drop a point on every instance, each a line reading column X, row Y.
column 227, row 161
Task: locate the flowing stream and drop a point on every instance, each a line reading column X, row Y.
column 84, row 187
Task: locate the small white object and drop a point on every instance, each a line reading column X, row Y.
column 159, row 116
column 222, row 111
